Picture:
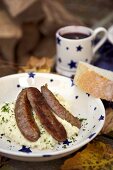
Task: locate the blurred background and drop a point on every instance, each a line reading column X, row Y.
column 27, row 29
column 27, row 37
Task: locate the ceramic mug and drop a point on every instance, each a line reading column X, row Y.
column 74, row 44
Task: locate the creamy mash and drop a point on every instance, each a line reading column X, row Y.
column 9, row 127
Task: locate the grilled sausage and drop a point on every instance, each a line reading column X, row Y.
column 57, row 108
column 24, row 117
column 46, row 117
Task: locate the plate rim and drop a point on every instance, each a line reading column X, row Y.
column 55, row 153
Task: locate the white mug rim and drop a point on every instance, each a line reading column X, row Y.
column 74, row 26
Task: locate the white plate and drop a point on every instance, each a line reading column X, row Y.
column 82, row 104
column 110, row 34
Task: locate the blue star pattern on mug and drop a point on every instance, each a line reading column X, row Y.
column 58, row 40
column 72, row 64
column 76, row 43
column 79, row 48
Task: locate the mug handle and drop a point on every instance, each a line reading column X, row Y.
column 99, row 44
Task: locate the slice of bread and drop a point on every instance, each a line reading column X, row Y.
column 94, row 80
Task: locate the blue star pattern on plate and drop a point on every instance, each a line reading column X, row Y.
column 58, row 40
column 90, row 136
column 25, row 149
column 67, row 142
column 79, row 48
column 101, row 118
column 31, row 75
column 61, row 85
column 72, row 64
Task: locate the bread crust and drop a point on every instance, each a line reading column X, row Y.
column 95, row 84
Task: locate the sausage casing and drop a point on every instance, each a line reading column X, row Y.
column 24, row 117
column 57, row 108
column 46, row 117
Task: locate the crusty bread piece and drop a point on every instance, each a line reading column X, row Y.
column 94, row 80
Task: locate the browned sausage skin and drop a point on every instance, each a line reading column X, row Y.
column 46, row 117
column 57, row 108
column 25, row 119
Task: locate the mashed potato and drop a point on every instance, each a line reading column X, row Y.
column 9, row 127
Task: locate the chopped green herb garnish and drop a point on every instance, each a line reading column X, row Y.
column 45, row 140
column 64, row 146
column 84, row 129
column 9, row 141
column 3, row 120
column 51, row 145
column 6, row 120
column 2, row 134
column 5, row 108
column 81, row 119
